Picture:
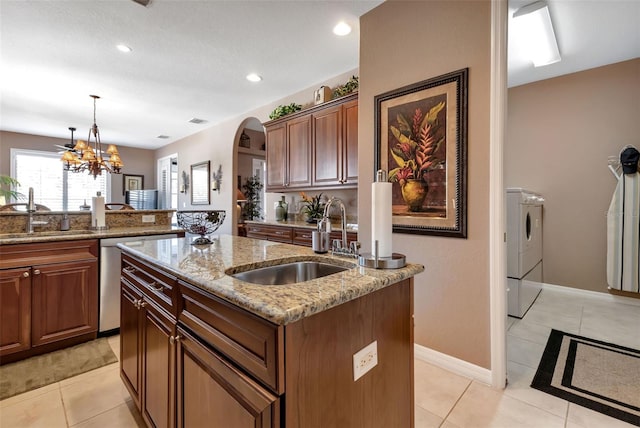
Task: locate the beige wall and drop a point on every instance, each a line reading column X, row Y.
column 219, row 143
column 560, row 133
column 136, row 161
column 403, row 43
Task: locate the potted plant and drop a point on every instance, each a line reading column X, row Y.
column 313, row 207
column 7, row 184
column 281, row 110
column 252, row 188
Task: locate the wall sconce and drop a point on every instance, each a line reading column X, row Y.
column 537, row 30
column 185, row 182
column 216, row 179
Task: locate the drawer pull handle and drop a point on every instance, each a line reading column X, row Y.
column 129, row 269
column 143, row 303
column 174, row 339
column 26, row 274
column 36, row 272
column 136, row 303
column 156, row 287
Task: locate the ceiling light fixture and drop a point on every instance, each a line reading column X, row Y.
column 124, row 48
column 341, row 29
column 85, row 157
column 253, row 77
column 538, row 34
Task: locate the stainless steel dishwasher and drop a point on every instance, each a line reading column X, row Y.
column 109, row 315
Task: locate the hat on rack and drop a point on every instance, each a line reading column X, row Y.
column 629, row 159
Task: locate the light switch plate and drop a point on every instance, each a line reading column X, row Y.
column 365, row 359
column 149, row 218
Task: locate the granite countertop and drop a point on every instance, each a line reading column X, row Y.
column 302, row 224
column 70, row 235
column 206, row 267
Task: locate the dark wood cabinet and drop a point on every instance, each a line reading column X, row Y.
column 218, row 365
column 289, row 154
column 316, row 148
column 213, row 392
column 64, row 299
column 49, row 296
column 335, row 148
column 147, row 340
column 15, row 310
column 290, row 235
column 131, row 340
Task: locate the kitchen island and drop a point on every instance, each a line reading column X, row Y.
column 198, row 345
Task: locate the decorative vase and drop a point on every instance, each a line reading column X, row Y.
column 414, row 193
column 279, row 211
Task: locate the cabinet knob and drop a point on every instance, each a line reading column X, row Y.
column 136, row 303
column 25, row 274
column 174, row 339
column 143, row 303
column 36, row 272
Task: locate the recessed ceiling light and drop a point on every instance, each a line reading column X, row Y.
column 253, row 77
column 341, row 29
column 197, row 120
column 124, row 48
column 162, row 136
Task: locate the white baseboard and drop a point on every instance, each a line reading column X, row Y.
column 452, row 364
column 592, row 294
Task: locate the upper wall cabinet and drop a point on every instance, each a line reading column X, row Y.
column 316, row 148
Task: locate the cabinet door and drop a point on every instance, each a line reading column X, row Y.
column 327, row 147
column 212, row 392
column 15, row 310
column 298, row 152
column 64, row 301
column 130, row 340
column 158, row 367
column 276, row 138
column 350, row 143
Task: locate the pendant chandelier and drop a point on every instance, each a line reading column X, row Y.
column 87, row 156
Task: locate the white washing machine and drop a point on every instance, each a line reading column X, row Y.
column 524, row 249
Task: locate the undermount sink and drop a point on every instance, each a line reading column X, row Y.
column 289, row 273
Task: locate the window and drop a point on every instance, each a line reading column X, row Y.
column 53, row 187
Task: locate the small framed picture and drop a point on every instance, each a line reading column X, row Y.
column 132, row 182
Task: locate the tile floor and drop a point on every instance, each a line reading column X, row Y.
column 447, row 400
column 443, row 399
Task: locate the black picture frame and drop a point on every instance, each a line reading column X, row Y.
column 132, row 182
column 421, row 140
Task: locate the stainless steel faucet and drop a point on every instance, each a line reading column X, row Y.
column 339, row 247
column 31, row 208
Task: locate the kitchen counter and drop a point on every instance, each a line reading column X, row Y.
column 69, row 235
column 207, row 266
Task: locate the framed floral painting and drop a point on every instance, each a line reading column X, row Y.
column 421, row 141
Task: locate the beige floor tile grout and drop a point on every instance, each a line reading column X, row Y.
column 456, row 403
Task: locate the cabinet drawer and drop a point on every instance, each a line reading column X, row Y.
column 270, row 233
column 302, row 236
column 155, row 284
column 250, row 341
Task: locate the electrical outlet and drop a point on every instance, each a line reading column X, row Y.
column 365, row 359
column 149, row 218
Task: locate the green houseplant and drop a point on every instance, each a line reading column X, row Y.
column 252, row 188
column 281, row 110
column 7, row 186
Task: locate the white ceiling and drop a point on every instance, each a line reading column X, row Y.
column 190, row 58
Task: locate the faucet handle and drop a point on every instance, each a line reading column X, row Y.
column 355, row 247
column 336, row 245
